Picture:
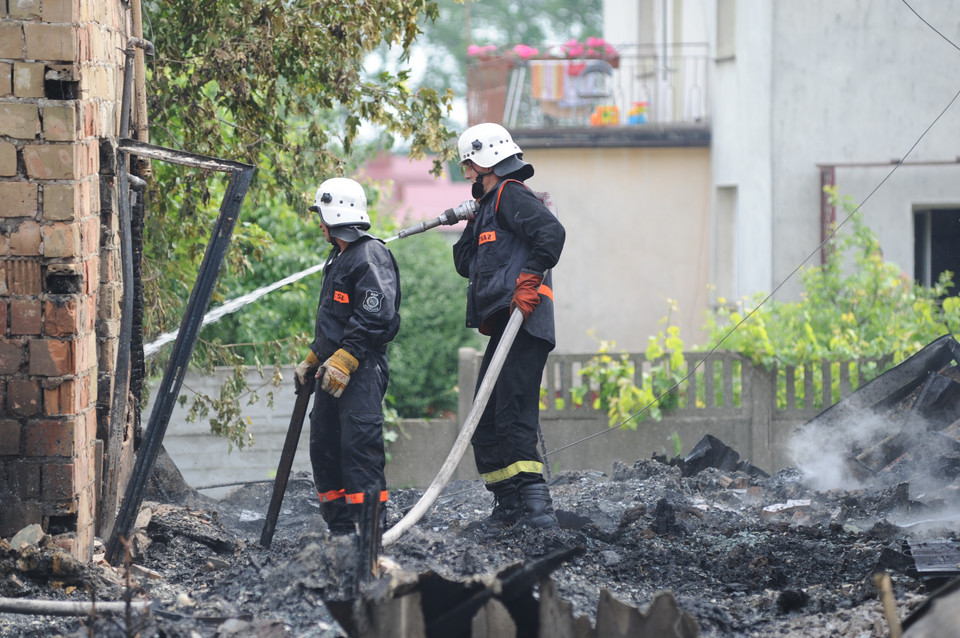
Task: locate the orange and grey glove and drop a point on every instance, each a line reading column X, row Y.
column 526, row 296
column 335, row 372
column 304, row 368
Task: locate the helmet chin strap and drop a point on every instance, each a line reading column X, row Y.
column 476, row 189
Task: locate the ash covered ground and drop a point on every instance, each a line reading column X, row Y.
column 743, row 554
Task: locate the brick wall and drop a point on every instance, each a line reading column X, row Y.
column 60, row 90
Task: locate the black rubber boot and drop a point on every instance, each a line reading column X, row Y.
column 538, row 507
column 507, row 507
column 338, row 518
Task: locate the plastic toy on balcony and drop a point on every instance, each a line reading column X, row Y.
column 608, row 115
column 638, row 113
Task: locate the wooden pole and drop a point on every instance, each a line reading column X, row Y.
column 68, row 608
column 885, row 588
column 142, row 129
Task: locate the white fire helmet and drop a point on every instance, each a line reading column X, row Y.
column 490, row 145
column 486, row 144
column 342, row 205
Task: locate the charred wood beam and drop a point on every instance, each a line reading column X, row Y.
column 896, row 384
column 371, row 534
column 118, row 403
column 936, row 406
column 241, row 175
column 940, row 593
column 663, row 619
column 455, row 621
column 290, row 443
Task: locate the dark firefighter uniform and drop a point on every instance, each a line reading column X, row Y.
column 358, row 312
column 512, row 231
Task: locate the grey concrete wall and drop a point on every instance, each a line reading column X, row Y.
column 573, row 439
column 205, row 459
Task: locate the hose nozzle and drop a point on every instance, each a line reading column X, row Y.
column 462, row 212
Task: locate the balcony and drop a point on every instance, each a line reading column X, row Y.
column 638, row 95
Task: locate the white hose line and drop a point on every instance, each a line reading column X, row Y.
column 463, row 439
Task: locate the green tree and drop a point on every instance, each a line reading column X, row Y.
column 279, row 84
column 424, row 357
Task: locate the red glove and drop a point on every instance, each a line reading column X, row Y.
column 526, row 295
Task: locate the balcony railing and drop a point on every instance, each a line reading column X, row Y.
column 640, row 85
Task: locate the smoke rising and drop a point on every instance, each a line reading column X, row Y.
column 823, row 451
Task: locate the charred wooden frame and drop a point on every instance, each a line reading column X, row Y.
column 241, row 176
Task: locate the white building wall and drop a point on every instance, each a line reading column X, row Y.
column 621, row 20
column 741, row 149
column 889, row 212
column 810, row 83
column 859, row 81
column 638, row 234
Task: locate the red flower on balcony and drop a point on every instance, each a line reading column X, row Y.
column 572, row 49
column 482, row 52
column 598, row 48
column 524, row 52
column 591, row 48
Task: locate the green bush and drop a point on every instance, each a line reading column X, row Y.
column 854, row 307
column 423, row 357
column 609, row 381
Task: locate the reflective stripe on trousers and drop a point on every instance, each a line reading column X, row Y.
column 505, row 442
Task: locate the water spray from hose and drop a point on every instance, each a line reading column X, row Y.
column 462, row 212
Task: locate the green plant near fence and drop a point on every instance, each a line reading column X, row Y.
column 858, row 316
column 609, row 381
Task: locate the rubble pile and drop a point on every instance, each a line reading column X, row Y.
column 708, row 544
column 742, row 555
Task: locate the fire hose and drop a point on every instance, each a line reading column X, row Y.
column 463, row 439
column 463, row 211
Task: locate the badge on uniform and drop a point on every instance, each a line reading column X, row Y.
column 371, row 302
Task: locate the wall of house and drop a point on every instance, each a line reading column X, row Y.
column 60, row 69
column 848, row 82
column 638, row 234
column 741, row 158
column 794, row 85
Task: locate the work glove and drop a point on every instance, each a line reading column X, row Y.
column 303, row 369
column 335, row 372
column 526, row 295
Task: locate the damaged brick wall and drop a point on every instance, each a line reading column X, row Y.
column 61, row 65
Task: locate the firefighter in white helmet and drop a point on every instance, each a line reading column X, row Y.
column 507, row 252
column 358, row 315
